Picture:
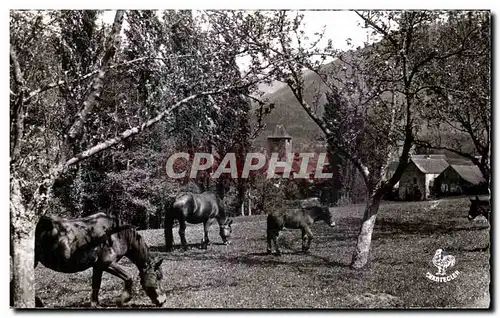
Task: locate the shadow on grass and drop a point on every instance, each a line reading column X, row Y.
column 175, row 247
column 199, row 287
column 389, row 228
column 270, row 260
column 106, row 305
column 470, row 250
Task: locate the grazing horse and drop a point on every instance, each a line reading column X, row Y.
column 301, row 219
column 196, row 208
column 98, row 241
column 479, row 207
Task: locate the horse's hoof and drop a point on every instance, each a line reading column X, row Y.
column 124, row 298
column 203, row 242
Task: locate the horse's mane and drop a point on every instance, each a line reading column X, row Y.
column 138, row 249
column 190, row 187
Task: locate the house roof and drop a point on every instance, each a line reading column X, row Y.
column 429, row 156
column 433, row 164
column 280, row 132
column 460, row 162
column 469, row 173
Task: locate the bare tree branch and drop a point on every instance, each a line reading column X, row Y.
column 137, row 129
column 91, row 101
column 56, row 84
column 378, row 28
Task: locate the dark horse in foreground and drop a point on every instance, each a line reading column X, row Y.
column 196, row 208
column 98, row 241
column 479, row 207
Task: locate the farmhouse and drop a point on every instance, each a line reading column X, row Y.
column 417, row 180
column 459, row 179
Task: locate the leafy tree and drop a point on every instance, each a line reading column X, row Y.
column 458, row 105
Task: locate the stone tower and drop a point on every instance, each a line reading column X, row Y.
column 281, row 142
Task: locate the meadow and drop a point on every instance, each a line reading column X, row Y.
column 243, row 276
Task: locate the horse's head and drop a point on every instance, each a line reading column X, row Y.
column 151, row 279
column 478, row 207
column 225, row 230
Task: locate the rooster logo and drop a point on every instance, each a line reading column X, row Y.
column 442, row 262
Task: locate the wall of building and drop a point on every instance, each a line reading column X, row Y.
column 411, row 180
column 429, row 184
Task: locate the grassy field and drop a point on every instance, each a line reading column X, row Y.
column 242, row 275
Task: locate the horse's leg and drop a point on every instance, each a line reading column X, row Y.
column 275, row 236
column 169, row 237
column 269, row 241
column 96, row 285
column 205, row 242
column 38, row 302
column 310, row 237
column 304, row 240
column 119, row 272
column 182, row 233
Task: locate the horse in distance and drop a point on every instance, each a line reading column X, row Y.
column 98, row 241
column 196, row 208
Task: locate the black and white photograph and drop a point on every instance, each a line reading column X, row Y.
column 168, row 159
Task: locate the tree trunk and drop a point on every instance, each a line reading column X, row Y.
column 23, row 267
column 23, row 251
column 362, row 251
column 249, row 203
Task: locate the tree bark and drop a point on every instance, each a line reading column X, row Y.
column 98, row 82
column 23, row 250
column 362, row 251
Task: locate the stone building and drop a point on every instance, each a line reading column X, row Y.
column 461, row 179
column 417, row 181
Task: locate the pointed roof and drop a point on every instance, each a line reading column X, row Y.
column 469, row 173
column 430, row 164
column 280, row 132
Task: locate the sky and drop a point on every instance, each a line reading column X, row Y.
column 340, row 25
